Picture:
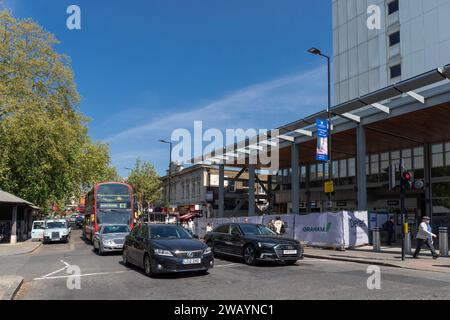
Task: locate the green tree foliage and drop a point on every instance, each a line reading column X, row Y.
column 45, row 152
column 146, row 184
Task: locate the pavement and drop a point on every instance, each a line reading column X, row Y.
column 24, row 247
column 48, row 275
column 9, row 282
column 9, row 285
column 389, row 256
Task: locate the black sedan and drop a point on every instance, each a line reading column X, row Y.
column 161, row 248
column 253, row 243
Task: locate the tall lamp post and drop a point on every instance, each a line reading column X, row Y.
column 170, row 165
column 317, row 52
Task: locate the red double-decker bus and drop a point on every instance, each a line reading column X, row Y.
column 108, row 203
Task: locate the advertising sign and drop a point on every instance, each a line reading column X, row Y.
column 322, row 140
column 320, row 229
column 356, row 228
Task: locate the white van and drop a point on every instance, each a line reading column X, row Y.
column 37, row 232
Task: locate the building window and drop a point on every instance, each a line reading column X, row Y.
column 312, row 172
column 351, row 167
column 343, row 168
column 394, row 38
column 396, row 71
column 393, row 7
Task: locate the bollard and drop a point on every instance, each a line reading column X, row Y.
column 408, row 243
column 376, row 239
column 443, row 241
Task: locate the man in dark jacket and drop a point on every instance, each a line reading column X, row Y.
column 389, row 226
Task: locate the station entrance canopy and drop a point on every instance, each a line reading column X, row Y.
column 402, row 115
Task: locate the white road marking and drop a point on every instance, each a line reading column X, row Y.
column 83, row 275
column 52, row 273
column 225, row 265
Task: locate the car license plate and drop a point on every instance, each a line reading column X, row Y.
column 290, row 252
column 192, row 261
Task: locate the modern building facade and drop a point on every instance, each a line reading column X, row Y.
column 414, row 38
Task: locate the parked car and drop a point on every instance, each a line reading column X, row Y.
column 253, row 243
column 37, row 230
column 159, row 248
column 79, row 220
column 56, row 230
column 73, row 219
column 110, row 238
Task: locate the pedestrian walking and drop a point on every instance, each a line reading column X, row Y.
column 279, row 226
column 425, row 236
column 209, row 227
column 191, row 225
column 389, row 227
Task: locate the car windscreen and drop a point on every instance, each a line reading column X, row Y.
column 113, row 196
column 168, row 232
column 252, row 229
column 114, row 217
column 56, row 225
column 115, row 229
column 38, row 225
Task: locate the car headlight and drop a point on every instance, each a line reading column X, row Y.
column 266, row 245
column 207, row 250
column 161, row 252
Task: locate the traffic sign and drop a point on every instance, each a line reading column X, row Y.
column 329, row 186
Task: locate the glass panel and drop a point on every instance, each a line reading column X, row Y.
column 406, row 153
column 438, row 160
column 447, row 146
column 436, row 148
column 343, row 168
column 418, row 162
column 325, row 170
column 418, row 151
column 395, row 155
column 320, row 171
column 447, row 159
column 385, row 156
column 374, row 164
column 303, row 171
column 407, row 163
column 312, row 175
column 351, row 167
column 335, row 169
column 441, row 189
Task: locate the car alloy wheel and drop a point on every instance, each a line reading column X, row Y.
column 249, row 255
column 147, row 266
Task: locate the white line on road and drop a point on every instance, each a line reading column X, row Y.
column 225, row 265
column 83, row 275
column 52, row 273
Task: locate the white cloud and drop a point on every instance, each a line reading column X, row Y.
column 264, row 105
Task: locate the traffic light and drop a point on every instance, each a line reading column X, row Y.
column 407, row 180
column 391, row 174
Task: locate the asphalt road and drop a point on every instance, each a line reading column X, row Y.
column 104, row 277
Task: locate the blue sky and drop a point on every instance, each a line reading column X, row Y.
column 145, row 68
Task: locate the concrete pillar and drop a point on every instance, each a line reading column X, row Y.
column 295, row 182
column 221, row 190
column 14, row 225
column 361, row 175
column 251, row 190
column 427, row 181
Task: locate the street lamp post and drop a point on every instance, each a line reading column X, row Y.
column 170, row 166
column 317, row 52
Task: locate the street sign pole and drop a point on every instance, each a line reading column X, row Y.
column 402, row 206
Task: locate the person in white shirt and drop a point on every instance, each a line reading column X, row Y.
column 425, row 236
column 279, row 226
column 191, row 225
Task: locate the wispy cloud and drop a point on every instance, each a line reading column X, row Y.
column 256, row 106
column 264, row 105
